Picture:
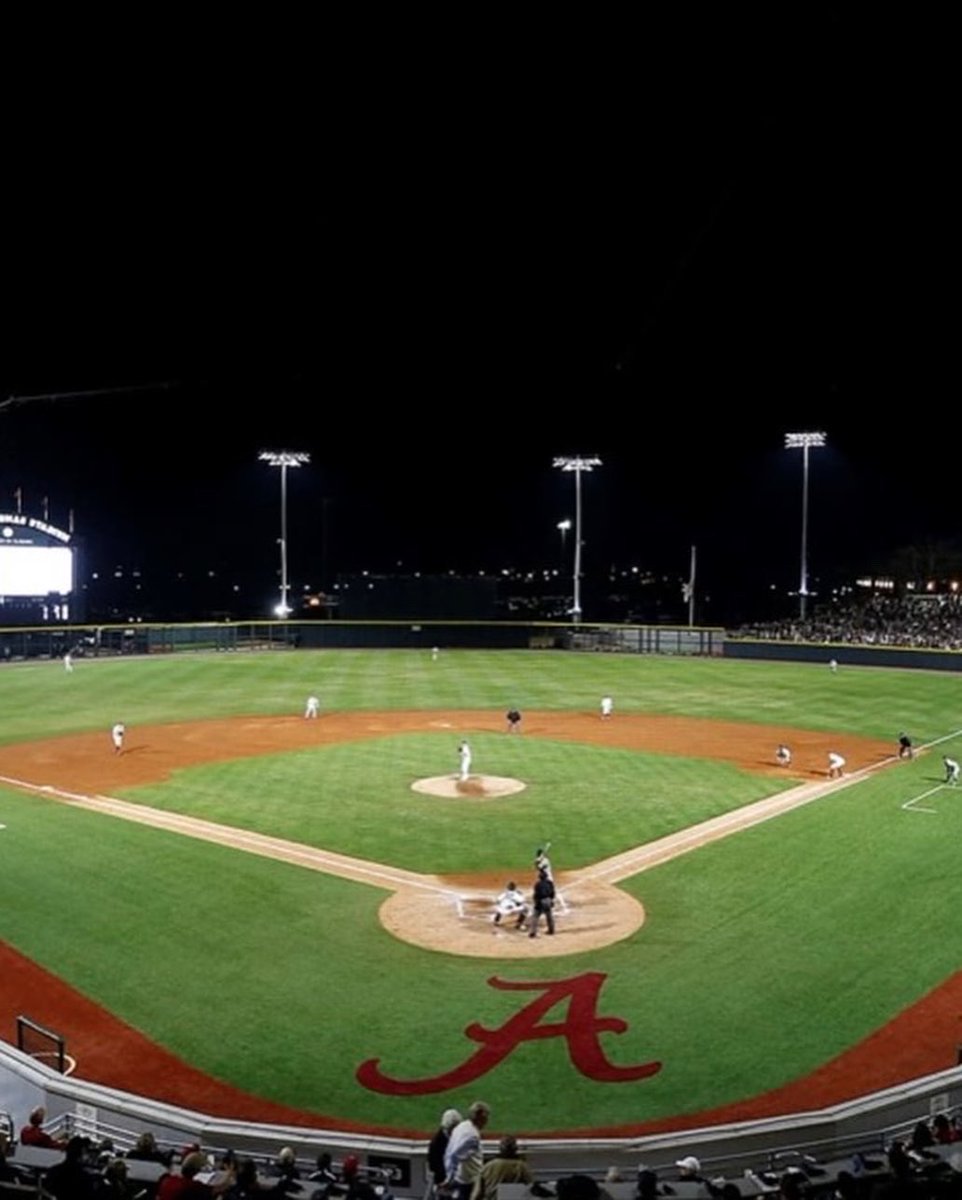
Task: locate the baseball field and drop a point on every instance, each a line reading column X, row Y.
column 259, row 915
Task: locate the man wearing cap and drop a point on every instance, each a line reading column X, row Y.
column 464, row 1157
column 689, row 1171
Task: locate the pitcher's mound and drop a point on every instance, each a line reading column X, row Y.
column 475, row 787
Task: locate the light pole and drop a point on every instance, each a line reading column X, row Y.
column 577, row 464
column 804, row 442
column 284, row 459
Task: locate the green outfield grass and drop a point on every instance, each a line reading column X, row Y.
column 763, row 955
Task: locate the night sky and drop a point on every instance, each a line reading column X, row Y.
column 434, row 256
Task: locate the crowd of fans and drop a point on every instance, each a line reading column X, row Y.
column 927, row 1165
column 933, row 623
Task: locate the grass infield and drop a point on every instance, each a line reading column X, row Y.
column 763, row 955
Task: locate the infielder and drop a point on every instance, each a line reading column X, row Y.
column 312, row 708
column 117, row 736
column 835, row 765
column 464, row 758
column 511, row 903
column 951, row 770
column 607, row 706
column 783, row 756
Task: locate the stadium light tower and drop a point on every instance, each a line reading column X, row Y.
column 284, row 459
column 577, row 464
column 804, row 442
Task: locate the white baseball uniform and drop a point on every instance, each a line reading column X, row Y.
column 784, row 756
column 951, row 770
column 117, row 736
column 312, row 708
column 607, row 705
column 68, row 662
column 464, row 754
column 511, row 903
column 835, row 764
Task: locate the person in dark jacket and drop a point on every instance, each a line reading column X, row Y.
column 542, row 903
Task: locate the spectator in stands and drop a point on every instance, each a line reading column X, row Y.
column 70, row 1179
column 115, row 1183
column 146, row 1150
column 438, row 1144
column 186, row 1185
column 922, row 1137
column 463, row 1158
column 790, row 1185
column 689, row 1169
column 507, row 1167
column 647, row 1184
column 285, row 1166
column 34, row 1134
column 942, row 1130
column 356, row 1187
column 248, row 1183
column 326, row 1176
column 580, row 1187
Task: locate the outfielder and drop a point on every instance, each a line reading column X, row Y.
column 511, row 903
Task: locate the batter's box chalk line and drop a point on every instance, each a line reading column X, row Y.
column 912, row 805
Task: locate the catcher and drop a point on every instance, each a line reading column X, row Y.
column 511, row 903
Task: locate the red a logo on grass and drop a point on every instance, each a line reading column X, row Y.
column 581, row 1028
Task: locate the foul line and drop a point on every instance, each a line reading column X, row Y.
column 607, row 871
column 297, row 853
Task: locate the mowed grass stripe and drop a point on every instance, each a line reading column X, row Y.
column 356, row 798
column 39, row 699
column 282, row 981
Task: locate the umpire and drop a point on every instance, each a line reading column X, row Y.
column 542, row 903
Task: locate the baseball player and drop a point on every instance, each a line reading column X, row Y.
column 951, row 770
column 511, row 903
column 542, row 862
column 607, row 707
column 905, row 746
column 464, row 758
column 117, row 736
column 435, row 652
column 312, row 708
column 513, row 718
column 836, row 764
column 833, row 665
column 783, row 756
column 68, row 662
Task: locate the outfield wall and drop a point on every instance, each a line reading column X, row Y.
column 844, row 653
column 827, row 1134
column 112, row 640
